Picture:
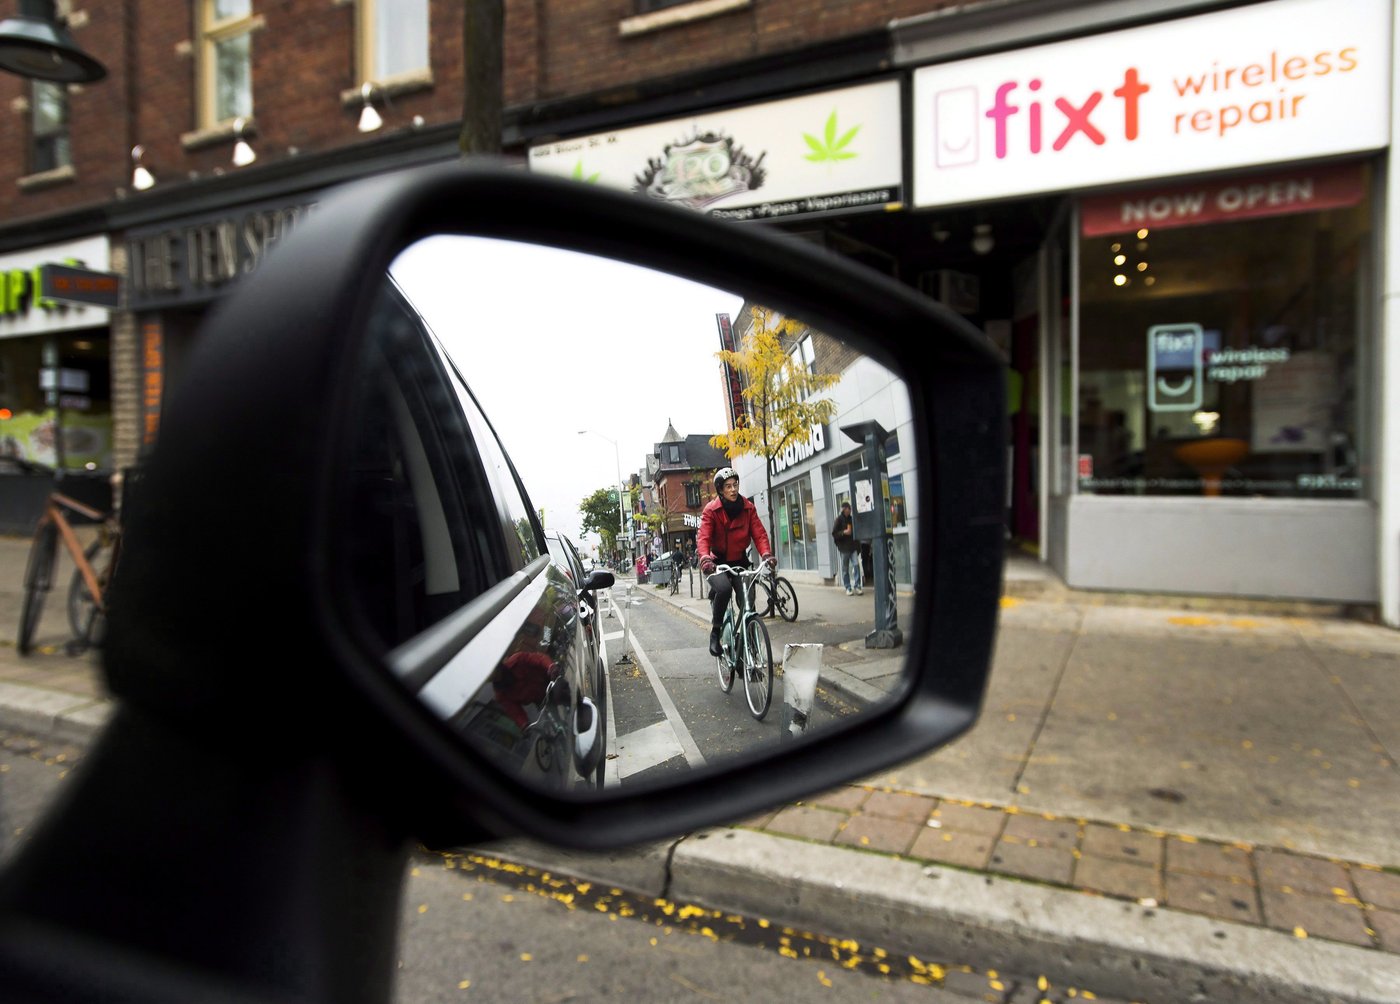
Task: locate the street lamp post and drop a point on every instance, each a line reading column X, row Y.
column 617, row 460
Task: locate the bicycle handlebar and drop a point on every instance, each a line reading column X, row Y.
column 743, row 572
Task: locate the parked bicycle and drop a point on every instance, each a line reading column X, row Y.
column 94, row 566
column 778, row 596
column 677, row 564
column 745, row 643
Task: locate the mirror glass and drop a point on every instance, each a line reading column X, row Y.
column 510, row 389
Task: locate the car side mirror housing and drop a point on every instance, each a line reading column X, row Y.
column 598, row 579
column 273, row 438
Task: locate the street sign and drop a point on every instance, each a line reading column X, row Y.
column 69, row 284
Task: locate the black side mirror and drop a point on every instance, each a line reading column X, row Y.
column 398, row 563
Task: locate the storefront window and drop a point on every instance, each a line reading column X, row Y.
column 795, row 535
column 1219, row 335
column 55, row 400
column 50, row 145
column 897, row 512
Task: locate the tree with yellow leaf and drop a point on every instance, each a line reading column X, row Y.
column 778, row 391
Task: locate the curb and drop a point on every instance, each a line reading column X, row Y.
column 940, row 914
column 51, row 714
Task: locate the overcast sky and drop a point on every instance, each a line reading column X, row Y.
column 552, row 342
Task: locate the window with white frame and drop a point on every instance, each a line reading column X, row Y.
column 393, row 39
column 50, row 147
column 804, row 358
column 225, row 61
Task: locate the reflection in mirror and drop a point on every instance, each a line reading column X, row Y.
column 538, row 586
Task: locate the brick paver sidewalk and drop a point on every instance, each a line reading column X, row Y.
column 1310, row 896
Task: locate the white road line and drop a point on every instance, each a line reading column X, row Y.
column 645, row 748
column 692, row 752
column 611, row 778
column 684, row 743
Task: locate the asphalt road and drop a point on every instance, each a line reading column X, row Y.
column 669, row 712
column 478, row 929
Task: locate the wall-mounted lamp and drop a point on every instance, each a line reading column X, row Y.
column 37, row 45
column 141, row 179
column 982, row 239
column 369, row 118
column 243, row 154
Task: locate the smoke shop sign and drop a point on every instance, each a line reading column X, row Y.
column 836, row 151
column 192, row 260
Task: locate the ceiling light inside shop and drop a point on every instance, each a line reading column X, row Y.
column 1142, row 234
column 1206, row 421
column 1116, row 247
column 1120, row 280
column 1119, row 259
column 1150, row 281
column 982, row 239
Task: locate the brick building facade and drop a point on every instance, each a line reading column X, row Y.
column 997, row 140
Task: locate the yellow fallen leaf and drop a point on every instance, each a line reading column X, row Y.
column 1298, row 932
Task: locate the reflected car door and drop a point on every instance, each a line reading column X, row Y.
column 451, row 571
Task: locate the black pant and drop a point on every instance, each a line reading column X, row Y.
column 721, row 588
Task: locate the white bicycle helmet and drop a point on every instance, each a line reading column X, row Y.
column 724, row 474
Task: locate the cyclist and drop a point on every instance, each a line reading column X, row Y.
column 728, row 524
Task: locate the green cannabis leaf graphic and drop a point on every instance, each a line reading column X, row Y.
column 578, row 174
column 830, row 148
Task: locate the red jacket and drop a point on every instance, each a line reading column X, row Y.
column 726, row 538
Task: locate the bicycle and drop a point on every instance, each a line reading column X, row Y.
column 94, row 566
column 781, row 597
column 753, row 650
column 676, row 567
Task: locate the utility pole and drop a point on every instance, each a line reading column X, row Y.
column 483, row 42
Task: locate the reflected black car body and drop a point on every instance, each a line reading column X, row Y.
column 446, row 546
column 587, row 584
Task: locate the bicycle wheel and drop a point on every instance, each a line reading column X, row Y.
column 724, row 662
column 38, row 577
column 784, row 600
column 758, row 667
column 87, row 620
column 761, row 605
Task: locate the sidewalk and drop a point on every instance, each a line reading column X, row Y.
column 1164, row 800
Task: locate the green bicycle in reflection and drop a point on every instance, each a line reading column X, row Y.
column 745, row 643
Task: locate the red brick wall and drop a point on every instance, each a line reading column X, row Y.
column 584, row 51
column 304, row 59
